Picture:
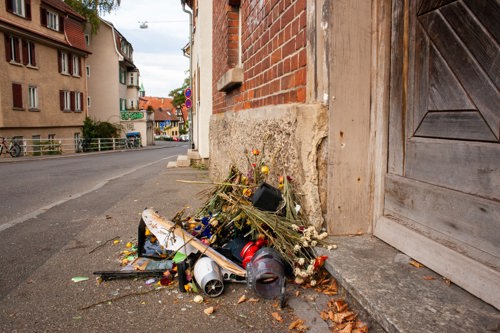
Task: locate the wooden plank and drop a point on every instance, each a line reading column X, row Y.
column 421, row 78
column 478, row 279
column 349, row 201
column 381, row 69
column 162, row 228
column 470, row 167
column 477, row 84
column 468, row 222
column 396, row 106
column 429, row 5
column 477, row 40
column 466, row 125
column 488, row 12
column 447, row 93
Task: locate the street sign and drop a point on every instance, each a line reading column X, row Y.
column 187, row 94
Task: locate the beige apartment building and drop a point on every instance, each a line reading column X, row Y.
column 42, row 80
column 113, row 82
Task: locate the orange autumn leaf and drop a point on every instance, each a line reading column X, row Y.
column 340, row 305
column 429, row 278
column 277, row 316
column 347, row 328
column 416, row 264
column 295, row 324
column 343, row 316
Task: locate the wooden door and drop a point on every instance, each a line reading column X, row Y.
column 442, row 189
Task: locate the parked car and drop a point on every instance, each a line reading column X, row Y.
column 184, row 137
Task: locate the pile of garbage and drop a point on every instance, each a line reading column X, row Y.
column 247, row 231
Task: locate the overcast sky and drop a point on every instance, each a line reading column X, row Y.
column 157, row 49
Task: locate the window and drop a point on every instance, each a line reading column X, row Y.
column 52, row 20
column 123, row 104
column 33, row 98
column 78, row 100
column 65, row 100
column 17, row 96
column 19, row 7
column 131, row 79
column 131, row 104
column 88, row 70
column 29, row 53
column 88, row 101
column 87, row 40
column 63, row 62
column 76, row 66
column 12, row 50
column 122, row 76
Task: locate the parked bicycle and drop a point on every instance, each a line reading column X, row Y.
column 83, row 145
column 14, row 149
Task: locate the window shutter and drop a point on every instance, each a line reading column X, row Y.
column 43, row 16
column 33, row 55
column 8, row 5
column 8, row 50
column 61, row 23
column 82, row 107
column 27, row 8
column 61, row 99
column 70, row 65
column 59, row 61
column 25, row 52
column 17, row 95
column 72, row 94
column 17, row 50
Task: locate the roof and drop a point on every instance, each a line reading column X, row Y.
column 162, row 106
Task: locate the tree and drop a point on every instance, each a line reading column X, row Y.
column 100, row 129
column 91, row 9
column 177, row 94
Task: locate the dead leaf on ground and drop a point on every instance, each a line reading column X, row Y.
column 209, row 311
column 324, row 315
column 277, row 316
column 347, row 328
column 416, row 264
column 254, row 300
column 429, row 277
column 340, row 305
column 360, row 327
column 295, row 324
column 447, row 281
column 242, row 299
column 343, row 316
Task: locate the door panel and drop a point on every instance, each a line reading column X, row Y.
column 443, row 180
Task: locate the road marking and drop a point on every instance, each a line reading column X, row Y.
column 45, row 208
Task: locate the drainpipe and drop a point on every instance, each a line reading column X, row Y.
column 190, row 111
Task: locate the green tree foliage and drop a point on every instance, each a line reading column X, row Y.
column 177, row 94
column 100, row 129
column 91, row 9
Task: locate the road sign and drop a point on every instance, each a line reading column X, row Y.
column 187, row 94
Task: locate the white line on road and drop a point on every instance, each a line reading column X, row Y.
column 45, row 208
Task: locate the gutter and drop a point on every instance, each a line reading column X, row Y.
column 190, row 111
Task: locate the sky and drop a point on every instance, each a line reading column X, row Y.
column 157, row 49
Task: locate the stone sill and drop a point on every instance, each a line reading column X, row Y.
column 230, row 80
column 398, row 297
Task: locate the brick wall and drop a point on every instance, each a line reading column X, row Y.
column 273, row 38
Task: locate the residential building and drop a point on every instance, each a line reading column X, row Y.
column 114, row 82
column 166, row 117
column 42, row 80
column 200, row 51
column 384, row 112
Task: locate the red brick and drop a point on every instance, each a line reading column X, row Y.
column 301, row 95
column 301, row 77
